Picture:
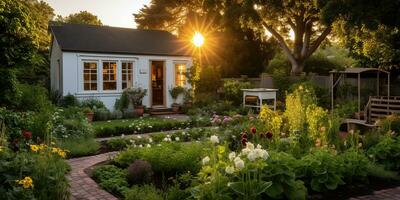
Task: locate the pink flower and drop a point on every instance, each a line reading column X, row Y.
column 253, row 130
column 27, row 134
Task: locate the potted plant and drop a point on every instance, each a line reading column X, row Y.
column 136, row 97
column 175, row 92
column 88, row 113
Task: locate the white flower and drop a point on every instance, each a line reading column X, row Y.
column 239, row 163
column 159, row 145
column 359, row 145
column 123, row 135
column 139, row 136
column 232, row 156
column 229, row 170
column 252, row 155
column 250, row 145
column 183, row 133
column 150, row 140
column 176, row 138
column 132, row 141
column 259, row 146
column 259, row 153
column 265, row 155
column 148, row 145
column 205, row 160
column 245, row 151
column 165, row 139
column 214, row 139
column 140, row 146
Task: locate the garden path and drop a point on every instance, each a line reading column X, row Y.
column 386, row 194
column 82, row 186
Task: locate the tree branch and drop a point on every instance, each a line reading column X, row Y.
column 318, row 41
column 281, row 42
column 307, row 36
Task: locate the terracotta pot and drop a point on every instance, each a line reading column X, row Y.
column 175, row 108
column 139, row 110
column 89, row 116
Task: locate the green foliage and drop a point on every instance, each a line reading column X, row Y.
column 111, row 178
column 208, row 83
column 70, row 122
column 122, row 103
column 281, row 171
column 80, row 146
column 176, row 91
column 117, row 144
column 145, row 192
column 167, row 158
column 70, row 101
column 15, row 122
column 83, row 17
column 139, row 172
column 321, row 170
column 141, row 125
column 355, row 164
column 387, row 153
column 279, row 66
column 92, row 104
column 135, row 95
column 34, row 98
column 9, row 90
column 46, row 171
column 232, row 90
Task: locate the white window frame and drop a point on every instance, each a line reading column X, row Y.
column 117, row 77
column 82, row 72
column 133, row 73
column 186, row 63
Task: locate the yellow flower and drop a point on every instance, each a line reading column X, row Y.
column 34, row 148
column 55, row 150
column 62, row 154
column 42, row 146
column 26, row 182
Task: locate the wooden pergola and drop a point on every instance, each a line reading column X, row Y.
column 358, row 72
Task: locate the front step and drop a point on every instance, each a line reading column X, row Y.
column 161, row 111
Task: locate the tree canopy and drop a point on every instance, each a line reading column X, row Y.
column 238, row 50
column 83, row 17
column 279, row 17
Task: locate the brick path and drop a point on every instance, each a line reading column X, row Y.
column 82, row 186
column 386, row 194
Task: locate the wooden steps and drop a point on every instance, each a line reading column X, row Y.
column 161, row 111
column 380, row 107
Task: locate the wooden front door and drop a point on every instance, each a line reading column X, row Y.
column 157, row 83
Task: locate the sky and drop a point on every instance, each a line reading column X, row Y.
column 111, row 12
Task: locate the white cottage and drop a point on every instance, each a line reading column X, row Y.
column 100, row 62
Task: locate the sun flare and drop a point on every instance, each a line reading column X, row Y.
column 198, row 39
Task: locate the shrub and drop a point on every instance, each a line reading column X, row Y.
column 321, row 170
column 145, row 192
column 92, row 104
column 111, row 178
column 9, row 90
column 69, row 101
column 116, row 144
column 232, row 90
column 139, row 172
column 176, row 91
column 101, row 114
column 281, row 171
column 387, row 153
column 47, row 171
column 70, row 122
column 80, row 146
column 355, row 165
column 34, row 98
column 167, row 158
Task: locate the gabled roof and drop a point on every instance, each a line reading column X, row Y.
column 105, row 39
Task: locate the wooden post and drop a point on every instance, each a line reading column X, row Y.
column 331, row 92
column 377, row 85
column 359, row 95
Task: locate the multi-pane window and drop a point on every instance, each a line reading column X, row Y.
column 90, row 76
column 180, row 75
column 127, row 74
column 109, row 75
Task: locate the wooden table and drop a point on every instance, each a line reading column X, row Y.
column 261, row 94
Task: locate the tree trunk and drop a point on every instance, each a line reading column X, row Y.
column 297, row 68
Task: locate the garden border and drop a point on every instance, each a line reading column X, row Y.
column 81, row 185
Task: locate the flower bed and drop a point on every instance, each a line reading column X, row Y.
column 137, row 126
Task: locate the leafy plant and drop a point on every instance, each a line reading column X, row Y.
column 176, row 91
column 145, row 192
column 387, row 153
column 139, row 172
column 136, row 95
column 233, row 92
column 92, row 104
column 321, row 170
column 69, row 101
column 111, row 178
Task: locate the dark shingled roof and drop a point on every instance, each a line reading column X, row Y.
column 105, row 39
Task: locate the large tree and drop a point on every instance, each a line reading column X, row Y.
column 18, row 45
column 369, row 28
column 83, row 17
column 278, row 17
column 238, row 50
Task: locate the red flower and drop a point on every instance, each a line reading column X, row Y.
column 262, row 135
column 27, row 134
column 244, row 141
column 244, row 135
column 253, row 130
column 269, row 134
